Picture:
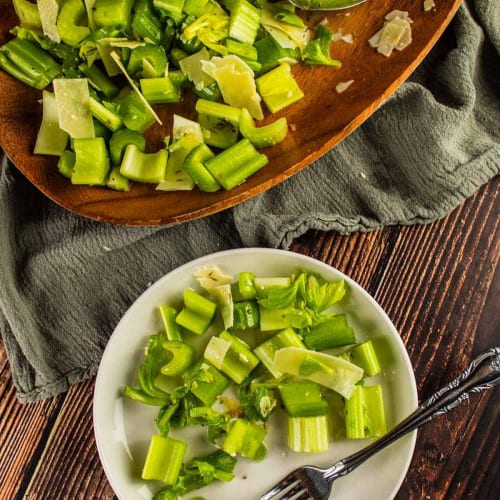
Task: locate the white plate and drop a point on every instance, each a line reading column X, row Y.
column 123, row 428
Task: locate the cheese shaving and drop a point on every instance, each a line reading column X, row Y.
column 395, row 34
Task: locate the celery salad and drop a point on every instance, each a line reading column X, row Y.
column 104, row 66
column 239, row 354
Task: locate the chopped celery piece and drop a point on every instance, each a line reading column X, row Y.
column 308, row 434
column 267, row 349
column 148, row 61
column 194, row 167
column 112, row 13
column 145, row 23
column 245, row 438
column 164, row 459
column 170, row 8
column 273, row 319
column 121, row 139
column 303, row 399
column 207, row 382
column 143, row 167
column 219, row 123
column 246, row 285
column 66, row 163
column 168, row 315
column 334, row 332
column 244, row 21
column 317, row 51
column 355, row 414
column 270, row 53
column 91, row 162
column 242, row 49
column 160, row 90
column 195, row 8
column 264, row 285
column 246, row 315
column 333, row 372
column 132, row 110
column 28, row 14
column 364, row 355
column 264, row 136
column 376, row 425
column 234, row 165
column 183, row 126
column 231, row 355
column 105, row 115
column 117, row 181
column 278, row 88
column 197, row 313
column 236, row 83
column 50, row 140
column 28, row 63
column 99, row 80
column 183, row 356
column 72, row 95
column 222, row 294
column 210, row 29
column 72, row 22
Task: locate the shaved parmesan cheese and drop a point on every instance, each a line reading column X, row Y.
column 182, row 126
column 191, row 67
column 51, row 140
column 116, row 59
column 339, row 36
column 429, row 5
column 395, row 34
column 72, row 95
column 236, row 83
column 343, row 86
column 89, row 4
column 48, row 10
column 288, row 36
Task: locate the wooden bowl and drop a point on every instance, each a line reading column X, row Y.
column 317, row 122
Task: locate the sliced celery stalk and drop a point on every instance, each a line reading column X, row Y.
column 160, row 90
column 50, row 140
column 334, row 332
column 338, row 374
column 376, row 425
column 28, row 15
column 148, row 58
column 106, row 116
column 242, row 49
column 273, row 319
column 195, row 7
column 197, row 313
column 264, row 136
column 146, row 23
column 117, row 181
column 278, row 88
column 222, row 294
column 246, row 315
column 194, row 167
column 234, row 165
column 121, row 139
column 364, row 355
column 208, row 383
column 164, row 459
column 267, row 349
column 355, row 414
column 168, row 315
column 112, row 13
column 143, row 167
column 303, row 399
column 170, row 8
column 72, row 22
column 91, row 162
column 72, row 95
column 308, row 434
column 99, row 79
column 245, row 438
column 66, row 163
column 263, row 285
column 246, row 285
column 183, row 356
column 270, row 53
column 244, row 21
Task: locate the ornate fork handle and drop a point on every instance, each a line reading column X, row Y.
column 482, row 373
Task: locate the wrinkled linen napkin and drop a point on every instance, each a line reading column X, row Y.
column 65, row 281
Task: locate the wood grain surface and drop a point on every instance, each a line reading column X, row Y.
column 439, row 284
column 317, row 122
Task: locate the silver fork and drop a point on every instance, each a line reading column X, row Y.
column 313, row 482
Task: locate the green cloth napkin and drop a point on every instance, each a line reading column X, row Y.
column 66, row 281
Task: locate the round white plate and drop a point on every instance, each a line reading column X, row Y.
column 123, row 428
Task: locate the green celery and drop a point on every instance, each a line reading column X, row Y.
column 355, row 414
column 317, row 51
column 143, row 167
column 376, row 425
column 264, row 285
column 246, row 315
column 105, row 115
column 273, row 319
column 270, row 53
column 172, row 329
column 28, row 63
column 149, row 61
column 72, row 22
column 99, row 79
column 160, row 90
column 112, row 13
column 278, row 88
column 334, row 332
column 303, row 399
column 364, row 355
column 245, row 438
column 66, row 163
column 195, row 8
column 219, row 123
column 145, row 23
column 183, row 356
column 242, row 49
column 170, row 8
column 133, row 112
column 117, row 181
column 244, row 21
column 197, row 313
column 264, row 136
column 142, row 397
column 121, row 139
column 210, row 92
column 28, row 15
column 234, row 165
column 308, row 434
column 91, row 162
column 207, row 382
column 267, row 349
column 194, row 167
column 164, row 459
column 246, row 285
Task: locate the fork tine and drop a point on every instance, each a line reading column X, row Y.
column 291, row 487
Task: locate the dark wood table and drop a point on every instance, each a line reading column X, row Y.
column 439, row 283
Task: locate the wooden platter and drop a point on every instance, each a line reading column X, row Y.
column 317, row 122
